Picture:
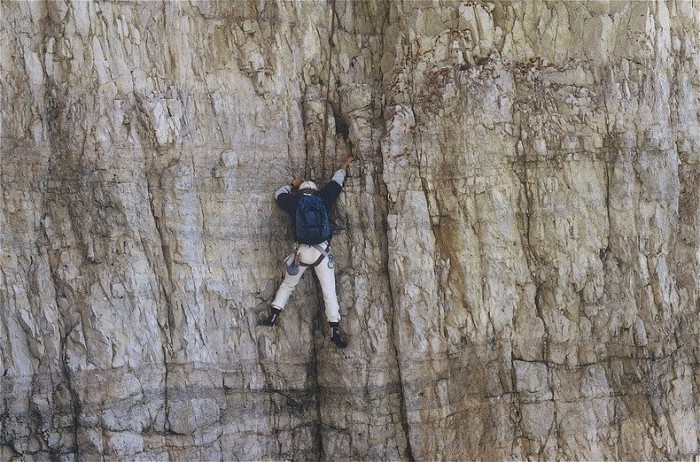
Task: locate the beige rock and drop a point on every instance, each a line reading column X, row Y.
column 516, row 244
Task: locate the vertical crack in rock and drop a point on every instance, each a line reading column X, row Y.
column 75, row 401
column 305, row 119
column 166, row 290
column 65, row 331
column 393, row 335
column 331, row 47
column 531, row 260
column 41, row 419
column 316, row 389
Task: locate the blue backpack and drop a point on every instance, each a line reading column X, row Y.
column 311, row 225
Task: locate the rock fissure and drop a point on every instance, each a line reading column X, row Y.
column 313, row 375
column 327, row 103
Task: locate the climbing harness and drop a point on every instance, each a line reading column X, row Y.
column 324, row 253
column 293, row 261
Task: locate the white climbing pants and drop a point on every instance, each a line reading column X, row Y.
column 326, row 277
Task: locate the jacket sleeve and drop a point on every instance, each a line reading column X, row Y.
column 286, row 200
column 286, row 189
column 339, row 176
column 330, row 192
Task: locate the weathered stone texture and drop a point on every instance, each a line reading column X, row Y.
column 517, row 242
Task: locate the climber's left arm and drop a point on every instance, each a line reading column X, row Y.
column 330, row 192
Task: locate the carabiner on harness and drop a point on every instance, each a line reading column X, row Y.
column 291, row 263
column 289, row 266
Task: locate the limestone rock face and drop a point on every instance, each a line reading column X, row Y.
column 517, row 241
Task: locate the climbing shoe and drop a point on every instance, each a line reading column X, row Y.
column 271, row 320
column 336, row 338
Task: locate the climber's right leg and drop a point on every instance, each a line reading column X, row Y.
column 283, row 293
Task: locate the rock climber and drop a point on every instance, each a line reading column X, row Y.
column 308, row 208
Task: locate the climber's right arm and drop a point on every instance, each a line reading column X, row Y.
column 289, row 188
column 286, row 189
column 285, row 197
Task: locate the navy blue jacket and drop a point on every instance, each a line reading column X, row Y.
column 288, row 201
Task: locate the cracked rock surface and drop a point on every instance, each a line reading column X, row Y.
column 517, row 245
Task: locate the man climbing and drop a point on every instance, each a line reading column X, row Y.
column 308, row 207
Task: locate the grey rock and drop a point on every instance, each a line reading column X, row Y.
column 516, row 243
